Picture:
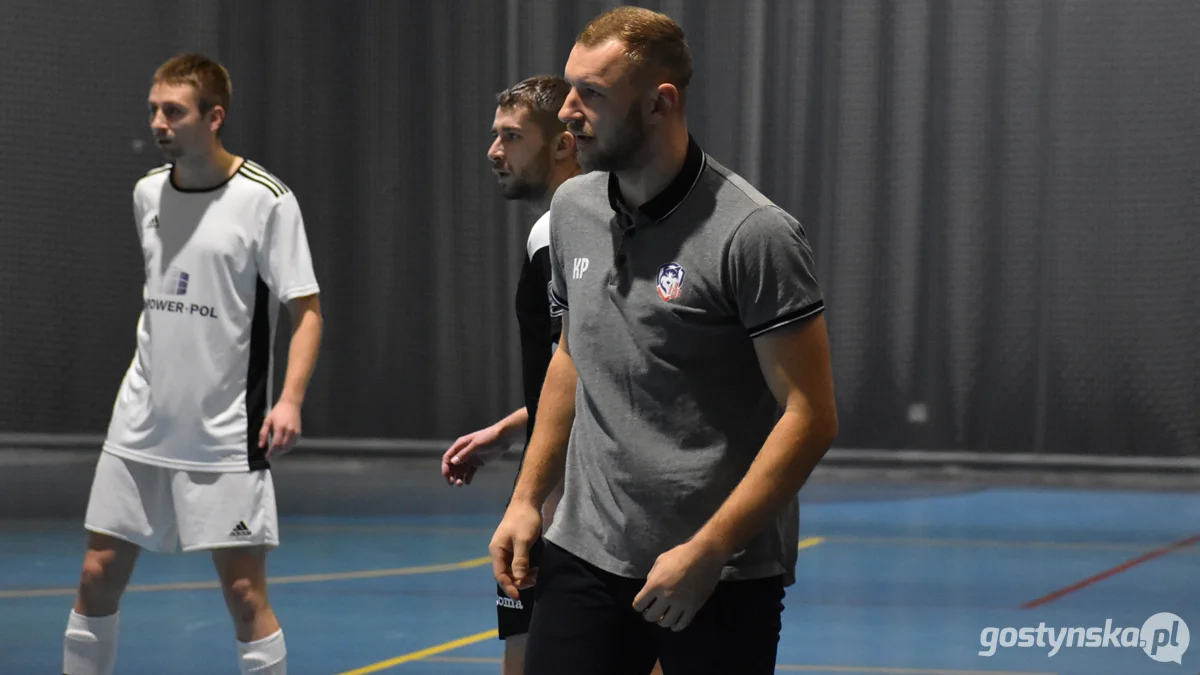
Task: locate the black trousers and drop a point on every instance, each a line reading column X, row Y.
column 584, row 624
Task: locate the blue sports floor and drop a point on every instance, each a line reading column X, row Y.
column 891, row 582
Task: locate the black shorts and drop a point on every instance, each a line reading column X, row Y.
column 585, row 625
column 513, row 616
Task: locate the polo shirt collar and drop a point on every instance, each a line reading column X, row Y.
column 664, row 203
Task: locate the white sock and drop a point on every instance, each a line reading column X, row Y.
column 90, row 644
column 267, row 656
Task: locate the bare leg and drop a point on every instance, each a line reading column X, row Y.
column 90, row 641
column 514, row 655
column 243, row 573
column 107, row 568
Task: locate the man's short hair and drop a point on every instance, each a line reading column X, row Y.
column 543, row 96
column 653, row 42
column 211, row 80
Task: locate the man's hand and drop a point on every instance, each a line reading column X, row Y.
column 510, row 547
column 472, row 451
column 679, row 584
column 281, row 428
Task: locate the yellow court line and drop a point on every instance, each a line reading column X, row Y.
column 796, row 668
column 274, row 581
column 810, row 542
column 296, row 579
column 828, row 539
column 876, row 670
column 424, row 653
column 400, row 529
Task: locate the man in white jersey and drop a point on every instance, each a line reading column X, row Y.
column 186, row 460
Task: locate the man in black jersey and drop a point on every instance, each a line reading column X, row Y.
column 531, row 155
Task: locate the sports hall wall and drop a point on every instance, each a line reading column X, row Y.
column 1002, row 196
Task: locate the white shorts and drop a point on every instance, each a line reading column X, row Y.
column 160, row 509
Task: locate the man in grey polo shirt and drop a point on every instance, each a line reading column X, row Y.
column 691, row 395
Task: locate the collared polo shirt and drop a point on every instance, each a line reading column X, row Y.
column 663, row 303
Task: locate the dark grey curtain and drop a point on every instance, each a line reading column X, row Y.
column 1002, row 196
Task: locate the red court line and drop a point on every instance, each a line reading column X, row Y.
column 1156, row 553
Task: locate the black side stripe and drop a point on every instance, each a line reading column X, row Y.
column 265, row 175
column 262, row 181
column 257, row 374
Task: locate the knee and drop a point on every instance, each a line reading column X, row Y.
column 245, row 600
column 99, row 587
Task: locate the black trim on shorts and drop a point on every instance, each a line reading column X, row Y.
column 257, row 376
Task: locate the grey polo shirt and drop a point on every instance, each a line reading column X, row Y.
column 671, row 406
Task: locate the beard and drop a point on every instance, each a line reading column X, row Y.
column 532, row 184
column 522, row 189
column 626, row 151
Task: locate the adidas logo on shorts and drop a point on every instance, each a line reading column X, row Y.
column 240, row 530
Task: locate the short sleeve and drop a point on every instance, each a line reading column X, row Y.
column 770, row 272
column 137, row 213
column 284, row 260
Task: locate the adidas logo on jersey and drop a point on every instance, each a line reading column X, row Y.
column 240, row 530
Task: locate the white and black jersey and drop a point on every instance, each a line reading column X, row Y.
column 540, row 322
column 218, row 262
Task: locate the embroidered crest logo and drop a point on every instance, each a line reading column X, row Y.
column 670, row 281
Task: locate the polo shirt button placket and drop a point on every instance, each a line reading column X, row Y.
column 629, row 223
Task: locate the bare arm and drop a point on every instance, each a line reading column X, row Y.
column 546, row 456
column 468, row 453
column 795, row 362
column 512, row 427
column 282, row 426
column 305, row 345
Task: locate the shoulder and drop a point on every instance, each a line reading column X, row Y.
column 263, row 182
column 153, row 179
column 539, row 236
column 743, row 209
column 580, row 200
column 733, row 191
column 582, row 189
column 768, row 224
column 159, row 173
